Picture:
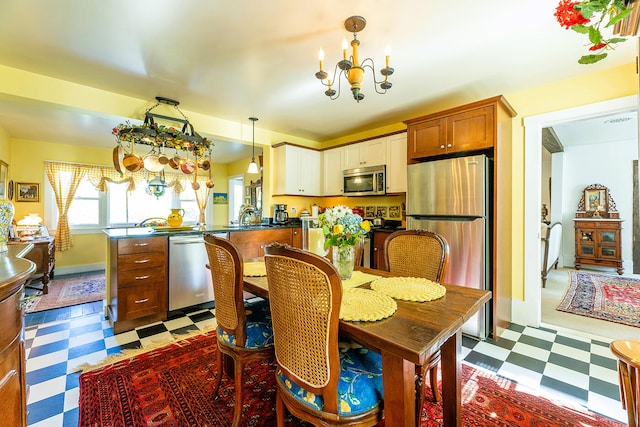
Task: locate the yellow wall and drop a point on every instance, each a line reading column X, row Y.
column 26, row 164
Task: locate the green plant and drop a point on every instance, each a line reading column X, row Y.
column 588, row 17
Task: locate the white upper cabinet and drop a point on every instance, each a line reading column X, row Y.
column 365, row 154
column 297, row 171
column 397, row 163
column 332, row 166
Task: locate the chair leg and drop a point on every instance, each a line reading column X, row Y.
column 216, row 384
column 434, row 383
column 237, row 414
column 279, row 410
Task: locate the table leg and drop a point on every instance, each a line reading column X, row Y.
column 451, row 380
column 398, row 380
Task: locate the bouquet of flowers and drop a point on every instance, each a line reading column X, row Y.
column 341, row 227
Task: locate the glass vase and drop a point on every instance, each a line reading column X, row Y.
column 344, row 260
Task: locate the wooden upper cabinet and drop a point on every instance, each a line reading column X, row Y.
column 471, row 130
column 470, row 127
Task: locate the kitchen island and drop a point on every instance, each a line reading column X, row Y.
column 153, row 271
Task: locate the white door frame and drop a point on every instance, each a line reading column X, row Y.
column 528, row 312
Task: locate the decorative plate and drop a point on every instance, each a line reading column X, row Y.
column 409, row 288
column 254, row 269
column 366, row 305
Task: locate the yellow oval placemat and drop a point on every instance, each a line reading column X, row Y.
column 358, row 278
column 409, row 288
column 366, row 305
column 254, row 269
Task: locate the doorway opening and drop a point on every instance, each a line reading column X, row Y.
column 528, row 312
column 236, row 197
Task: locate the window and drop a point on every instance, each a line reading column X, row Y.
column 92, row 210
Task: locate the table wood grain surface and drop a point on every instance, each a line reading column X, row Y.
column 409, row 337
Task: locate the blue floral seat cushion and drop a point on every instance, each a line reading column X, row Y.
column 258, row 326
column 360, row 385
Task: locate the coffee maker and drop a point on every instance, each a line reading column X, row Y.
column 280, row 215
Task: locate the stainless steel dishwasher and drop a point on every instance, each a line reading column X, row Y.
column 189, row 278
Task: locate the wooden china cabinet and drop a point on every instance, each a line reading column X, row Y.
column 598, row 230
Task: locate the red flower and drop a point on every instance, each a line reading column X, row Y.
column 598, row 46
column 568, row 16
column 115, row 131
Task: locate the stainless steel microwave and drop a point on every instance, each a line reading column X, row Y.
column 364, row 181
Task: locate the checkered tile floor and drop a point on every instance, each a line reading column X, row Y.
column 569, row 367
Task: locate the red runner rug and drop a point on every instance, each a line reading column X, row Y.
column 172, row 386
column 604, row 297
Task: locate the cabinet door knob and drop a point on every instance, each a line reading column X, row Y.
column 375, row 249
column 442, row 146
column 449, row 145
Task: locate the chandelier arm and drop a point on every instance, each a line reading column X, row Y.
column 337, row 94
column 371, row 66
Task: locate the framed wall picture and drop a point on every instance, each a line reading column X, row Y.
column 4, row 172
column 369, row 212
column 27, row 192
column 394, row 212
column 381, row 211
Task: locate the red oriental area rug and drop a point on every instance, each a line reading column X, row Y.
column 172, row 386
column 604, row 297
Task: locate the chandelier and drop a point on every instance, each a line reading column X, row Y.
column 352, row 68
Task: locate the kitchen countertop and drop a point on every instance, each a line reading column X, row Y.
column 119, row 233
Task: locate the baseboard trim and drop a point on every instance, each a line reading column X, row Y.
column 60, row 271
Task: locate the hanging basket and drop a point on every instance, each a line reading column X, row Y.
column 629, row 26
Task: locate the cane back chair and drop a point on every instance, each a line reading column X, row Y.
column 244, row 331
column 318, row 381
column 419, row 253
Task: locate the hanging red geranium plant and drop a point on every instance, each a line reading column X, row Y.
column 588, row 17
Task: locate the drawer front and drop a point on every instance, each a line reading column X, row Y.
column 10, row 318
column 142, row 276
column 142, row 261
column 140, row 301
column 139, row 245
column 607, row 225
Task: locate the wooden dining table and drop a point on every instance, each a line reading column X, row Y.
column 408, row 338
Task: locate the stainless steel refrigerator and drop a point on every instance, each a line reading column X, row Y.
column 451, row 197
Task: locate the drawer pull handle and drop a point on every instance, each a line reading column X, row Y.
column 140, row 301
column 142, row 261
column 142, row 277
column 141, row 244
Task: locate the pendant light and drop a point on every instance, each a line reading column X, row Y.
column 253, row 167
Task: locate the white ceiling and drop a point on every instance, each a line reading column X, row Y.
column 598, row 130
column 233, row 60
